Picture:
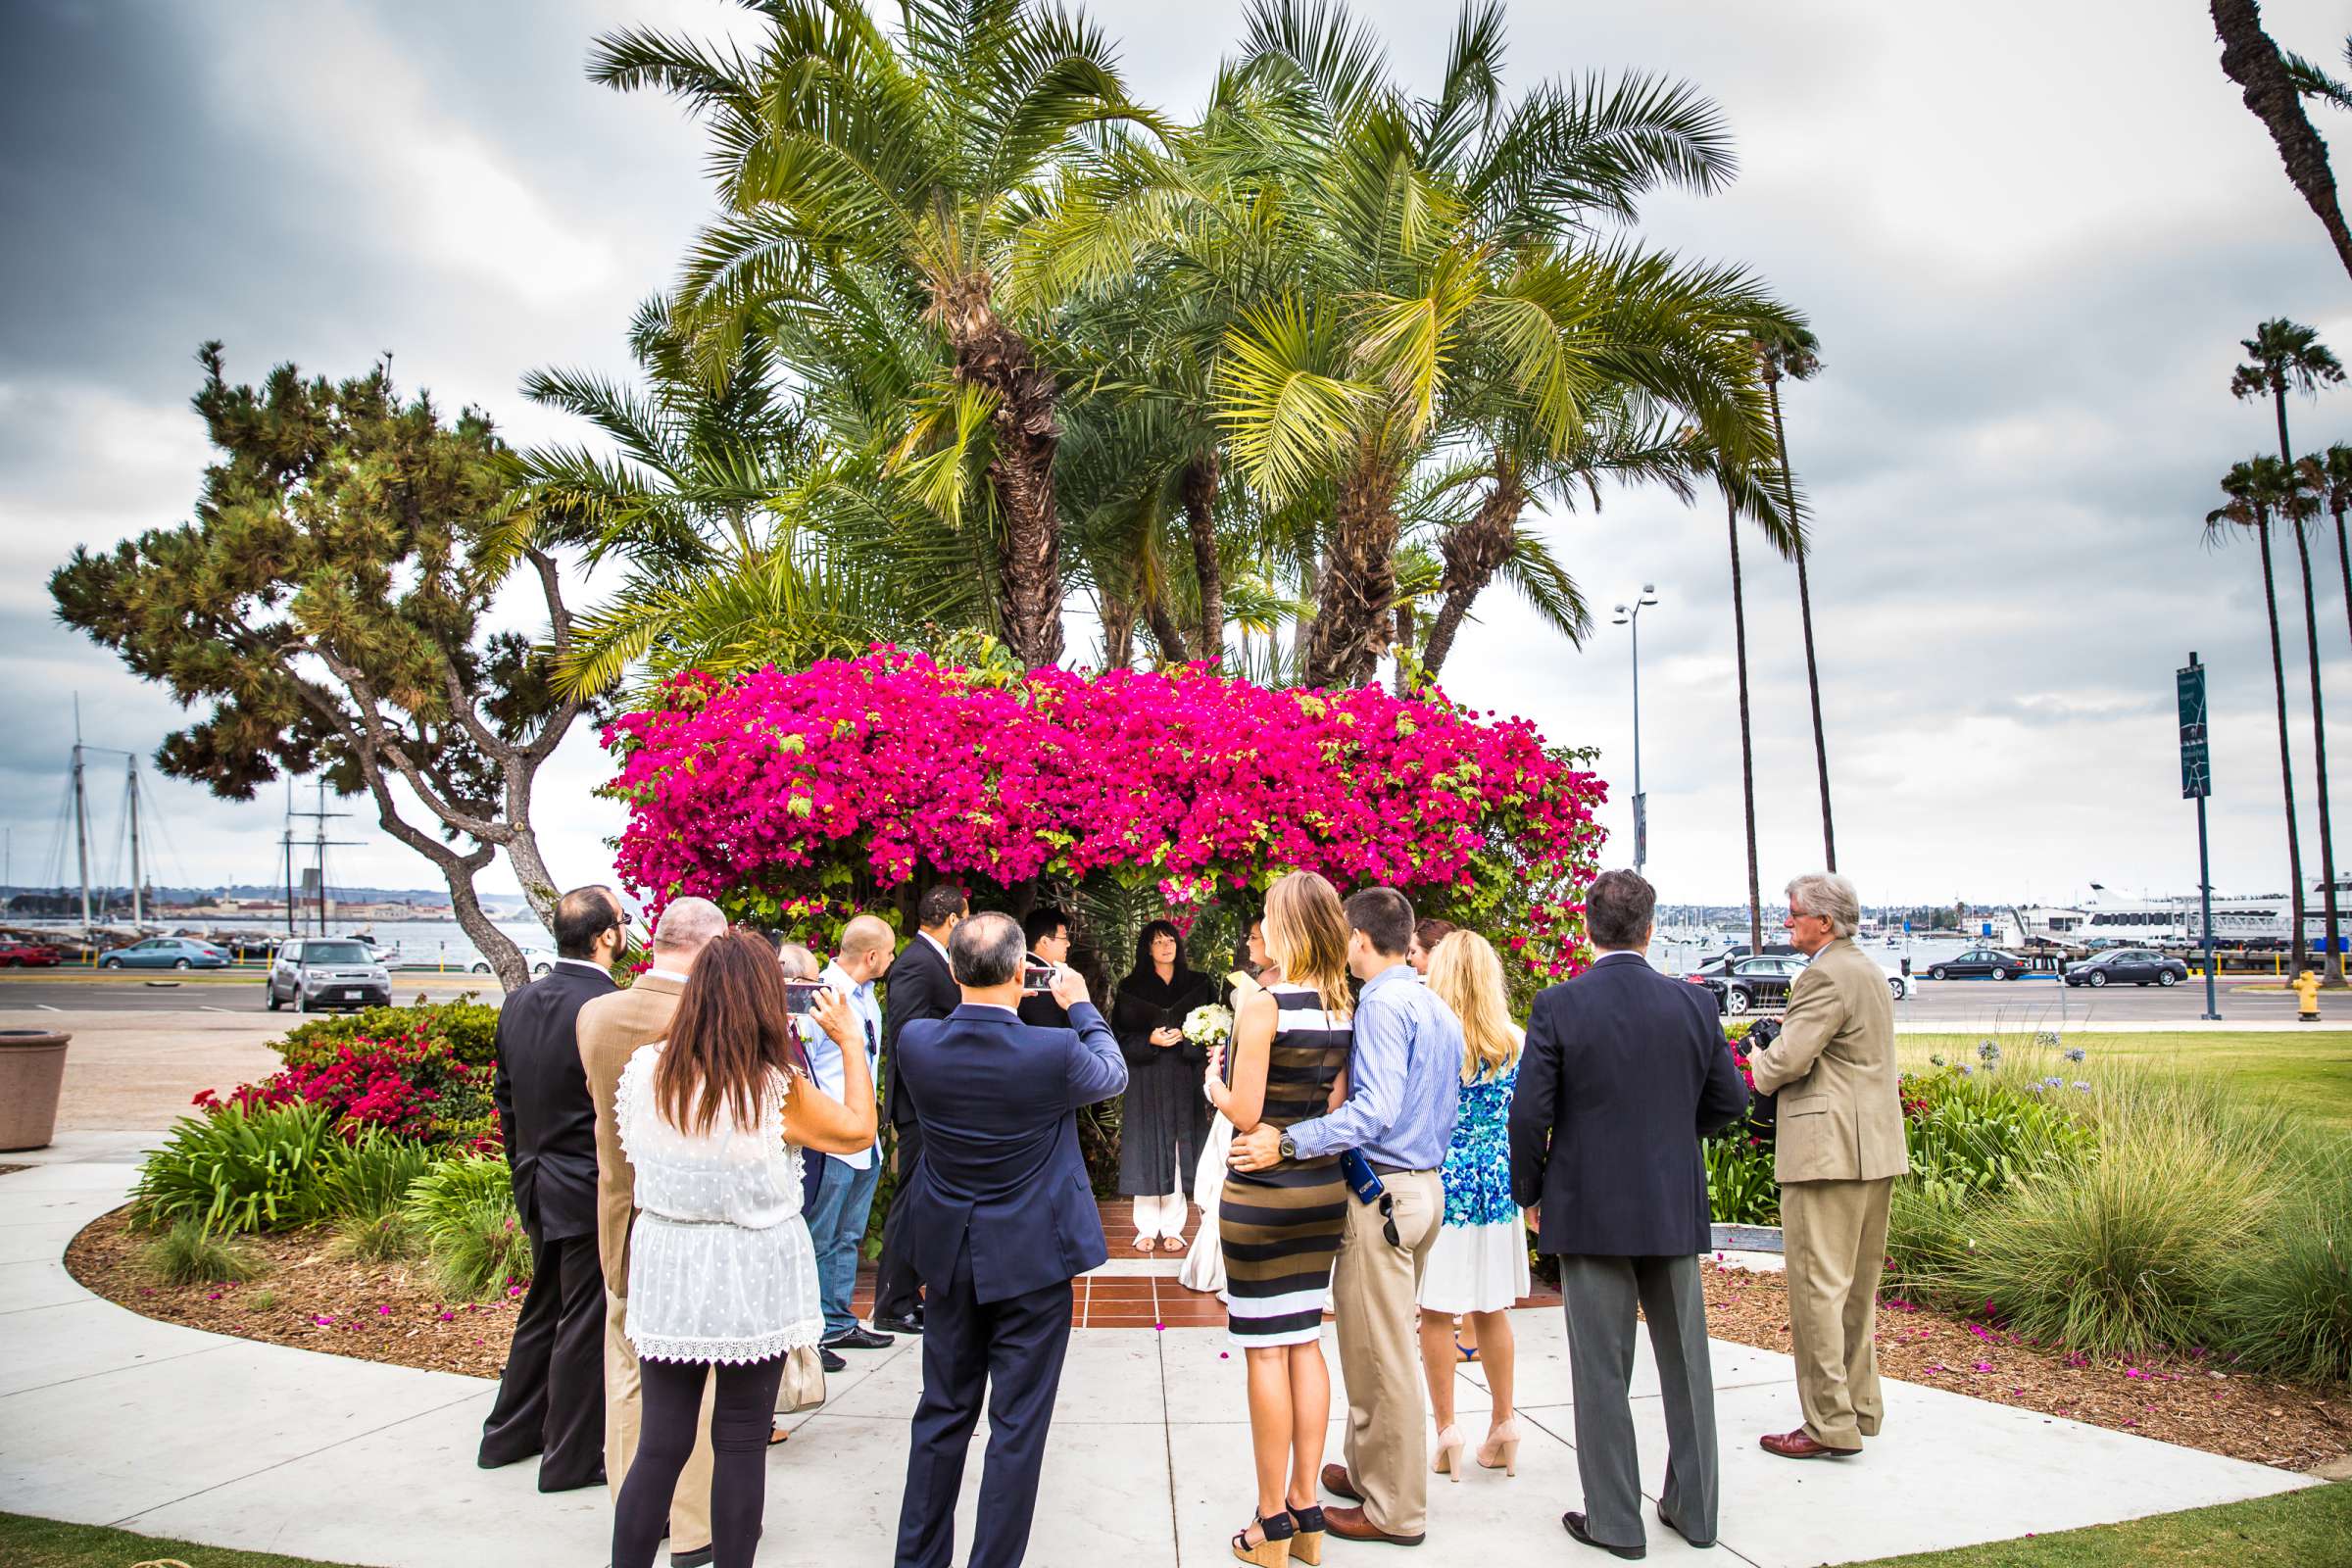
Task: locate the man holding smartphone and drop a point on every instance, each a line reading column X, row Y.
column 845, row 1189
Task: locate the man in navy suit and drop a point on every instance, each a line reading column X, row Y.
column 917, row 986
column 1000, row 1218
column 1625, row 1071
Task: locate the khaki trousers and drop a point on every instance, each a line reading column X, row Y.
column 690, row 1505
column 1835, row 1233
column 1374, row 1290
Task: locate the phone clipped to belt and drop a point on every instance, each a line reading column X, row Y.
column 1363, row 1179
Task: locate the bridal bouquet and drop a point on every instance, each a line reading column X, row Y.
column 1209, row 1024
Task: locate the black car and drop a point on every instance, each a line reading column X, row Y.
column 1979, row 963
column 1743, row 985
column 2137, row 966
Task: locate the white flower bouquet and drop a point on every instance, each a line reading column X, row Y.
column 1209, row 1024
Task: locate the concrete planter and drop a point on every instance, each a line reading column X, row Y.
column 33, row 1069
column 1747, row 1238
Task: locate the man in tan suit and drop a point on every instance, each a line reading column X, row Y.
column 611, row 1029
column 1840, row 1149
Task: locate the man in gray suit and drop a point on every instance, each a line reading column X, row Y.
column 1624, row 1072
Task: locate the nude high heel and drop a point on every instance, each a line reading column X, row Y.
column 1501, row 1450
column 1274, row 1551
column 1449, row 1453
column 1306, row 1546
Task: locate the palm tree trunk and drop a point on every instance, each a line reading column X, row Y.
column 1027, row 435
column 1804, row 607
column 1119, row 632
column 2251, row 59
column 2287, row 467
column 2286, row 761
column 1748, row 749
column 2332, row 969
column 1201, row 522
column 1164, row 631
column 1474, row 553
column 2343, row 561
column 1353, row 616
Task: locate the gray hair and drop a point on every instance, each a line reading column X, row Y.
column 798, row 961
column 987, row 950
column 688, row 926
column 1829, row 897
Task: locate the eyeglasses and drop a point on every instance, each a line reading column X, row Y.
column 1388, row 1218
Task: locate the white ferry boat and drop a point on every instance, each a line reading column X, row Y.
column 2238, row 920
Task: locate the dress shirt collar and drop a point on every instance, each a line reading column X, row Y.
column 673, row 976
column 589, row 965
column 1389, row 975
column 1621, row 953
column 839, row 979
column 989, row 1006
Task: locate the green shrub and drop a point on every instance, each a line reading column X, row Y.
column 464, row 1208
column 1930, row 1226
column 1741, row 1189
column 371, row 1176
column 2290, row 1303
column 469, row 1028
column 1987, row 1133
column 235, row 1169
column 376, row 1238
column 189, row 1253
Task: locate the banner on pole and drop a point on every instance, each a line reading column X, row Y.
column 2196, row 769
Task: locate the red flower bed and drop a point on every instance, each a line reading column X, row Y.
column 411, row 1085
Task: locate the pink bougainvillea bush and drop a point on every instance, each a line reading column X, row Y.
column 794, row 797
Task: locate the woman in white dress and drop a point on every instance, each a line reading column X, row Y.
column 1478, row 1265
column 721, row 1273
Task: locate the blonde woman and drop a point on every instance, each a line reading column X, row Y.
column 1478, row 1266
column 1280, row 1227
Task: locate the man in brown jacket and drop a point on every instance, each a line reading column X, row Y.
column 611, row 1029
column 1840, row 1149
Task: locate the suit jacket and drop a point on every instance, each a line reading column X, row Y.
column 917, row 985
column 544, row 1112
column 612, row 1029
column 1840, row 1114
column 1001, row 1171
column 1623, row 1074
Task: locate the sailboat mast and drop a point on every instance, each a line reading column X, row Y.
column 131, row 786
column 81, row 821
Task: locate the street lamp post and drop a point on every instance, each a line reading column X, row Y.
column 1631, row 616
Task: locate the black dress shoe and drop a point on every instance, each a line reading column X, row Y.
column 1671, row 1523
column 911, row 1323
column 854, row 1338
column 829, row 1361
column 549, row 1482
column 1576, row 1527
column 698, row 1557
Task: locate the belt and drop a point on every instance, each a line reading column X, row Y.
column 1378, row 1169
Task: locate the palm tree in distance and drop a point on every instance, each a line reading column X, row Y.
column 2335, row 487
column 2287, row 356
column 2302, row 509
column 1794, row 353
column 2258, row 489
column 2274, row 86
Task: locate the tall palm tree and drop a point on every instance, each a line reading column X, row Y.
column 1793, row 353
column 2258, row 489
column 913, row 152
column 2274, row 93
column 2286, row 355
column 2304, row 503
column 1748, row 746
column 2335, row 487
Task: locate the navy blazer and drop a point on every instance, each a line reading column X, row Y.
column 544, row 1114
column 918, row 985
column 1625, row 1071
column 1001, row 1168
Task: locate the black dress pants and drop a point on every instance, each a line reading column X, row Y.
column 896, row 1289
column 551, row 1397
column 1011, row 1353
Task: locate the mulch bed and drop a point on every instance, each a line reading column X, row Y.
column 308, row 1297
column 2185, row 1399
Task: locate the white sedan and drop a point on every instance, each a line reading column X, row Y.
column 540, row 959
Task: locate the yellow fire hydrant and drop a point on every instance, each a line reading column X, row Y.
column 2307, row 998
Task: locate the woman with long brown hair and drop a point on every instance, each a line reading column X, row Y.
column 721, row 1272
column 1280, row 1227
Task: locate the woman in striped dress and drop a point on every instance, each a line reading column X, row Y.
column 1280, row 1227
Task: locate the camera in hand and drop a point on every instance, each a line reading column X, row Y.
column 799, row 996
column 1763, row 1105
column 1036, row 979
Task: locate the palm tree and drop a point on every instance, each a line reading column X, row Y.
column 2287, row 356
column 2274, row 93
column 2258, row 489
column 2336, row 485
column 2303, row 506
column 1748, row 746
column 913, row 153
column 1794, row 354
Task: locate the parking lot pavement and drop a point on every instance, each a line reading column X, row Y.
column 2043, row 1001
column 87, row 991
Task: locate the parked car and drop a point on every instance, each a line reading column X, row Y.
column 326, row 973
column 25, row 955
column 2137, row 966
column 1987, row 964
column 1743, row 985
column 166, row 953
column 540, row 959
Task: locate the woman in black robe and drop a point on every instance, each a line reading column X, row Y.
column 1163, row 1119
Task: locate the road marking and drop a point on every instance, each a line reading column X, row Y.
column 45, row 1007
column 219, row 1009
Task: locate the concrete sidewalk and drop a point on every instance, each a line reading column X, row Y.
column 109, row 1418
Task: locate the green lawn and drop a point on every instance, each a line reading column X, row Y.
column 2308, row 1072
column 45, row 1543
column 2308, row 1529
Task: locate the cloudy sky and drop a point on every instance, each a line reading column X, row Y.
column 2029, row 236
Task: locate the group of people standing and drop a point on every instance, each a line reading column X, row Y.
column 695, row 1158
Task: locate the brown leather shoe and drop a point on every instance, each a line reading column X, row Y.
column 1336, row 1482
column 1799, row 1445
column 1349, row 1524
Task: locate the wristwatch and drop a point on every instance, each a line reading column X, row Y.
column 1290, row 1151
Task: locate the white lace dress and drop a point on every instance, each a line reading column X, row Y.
column 720, row 1268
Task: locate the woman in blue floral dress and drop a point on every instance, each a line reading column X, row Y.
column 1478, row 1265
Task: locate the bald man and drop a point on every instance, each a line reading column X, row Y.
column 610, row 1030
column 844, row 1193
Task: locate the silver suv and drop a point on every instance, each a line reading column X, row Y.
column 326, row 973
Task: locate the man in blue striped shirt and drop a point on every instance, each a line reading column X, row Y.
column 1403, row 1093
